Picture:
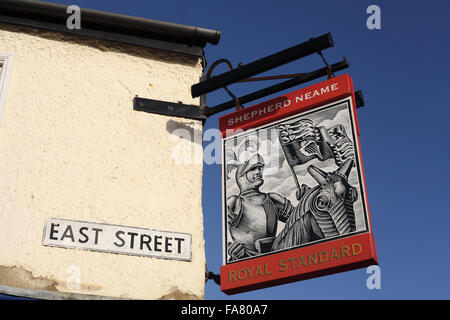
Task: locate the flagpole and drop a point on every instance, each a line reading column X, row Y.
column 290, row 167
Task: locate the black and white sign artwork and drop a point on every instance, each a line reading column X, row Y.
column 292, row 183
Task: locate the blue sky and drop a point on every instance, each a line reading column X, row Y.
column 403, row 72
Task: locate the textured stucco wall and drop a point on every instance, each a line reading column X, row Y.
column 72, row 147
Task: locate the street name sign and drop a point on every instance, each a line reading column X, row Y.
column 117, row 239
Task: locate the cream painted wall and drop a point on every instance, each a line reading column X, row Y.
column 72, row 147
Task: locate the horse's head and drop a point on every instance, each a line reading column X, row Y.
column 335, row 196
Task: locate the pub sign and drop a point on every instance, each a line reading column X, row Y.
column 294, row 198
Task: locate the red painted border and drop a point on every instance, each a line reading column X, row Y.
column 267, row 271
column 326, row 258
column 287, row 105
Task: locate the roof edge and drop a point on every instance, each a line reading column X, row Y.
column 42, row 13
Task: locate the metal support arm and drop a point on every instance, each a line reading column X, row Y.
column 277, row 87
column 168, row 108
column 301, row 50
column 243, row 73
column 193, row 112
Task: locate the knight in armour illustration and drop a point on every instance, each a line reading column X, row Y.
column 253, row 215
column 324, row 210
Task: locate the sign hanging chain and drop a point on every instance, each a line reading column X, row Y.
column 329, row 69
column 237, row 103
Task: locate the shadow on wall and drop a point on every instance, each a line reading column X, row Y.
column 186, row 130
column 108, row 46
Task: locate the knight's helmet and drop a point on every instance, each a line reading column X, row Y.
column 246, row 160
column 246, row 181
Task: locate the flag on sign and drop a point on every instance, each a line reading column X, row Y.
column 302, row 142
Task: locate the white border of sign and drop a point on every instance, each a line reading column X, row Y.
column 367, row 228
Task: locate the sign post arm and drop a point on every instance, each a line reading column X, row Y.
column 277, row 87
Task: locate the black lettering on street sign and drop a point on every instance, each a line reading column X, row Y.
column 117, row 239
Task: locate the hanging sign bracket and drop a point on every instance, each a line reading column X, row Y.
column 244, row 73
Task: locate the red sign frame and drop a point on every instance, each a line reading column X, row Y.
column 314, row 260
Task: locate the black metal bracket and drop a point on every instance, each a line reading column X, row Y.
column 212, row 276
column 299, row 51
column 243, row 73
column 306, row 77
column 169, row 108
column 359, row 99
column 194, row 112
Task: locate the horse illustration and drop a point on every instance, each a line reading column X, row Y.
column 324, row 211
